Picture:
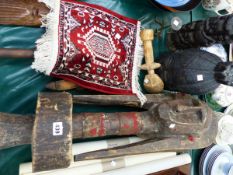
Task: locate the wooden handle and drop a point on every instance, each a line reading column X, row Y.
column 16, row 53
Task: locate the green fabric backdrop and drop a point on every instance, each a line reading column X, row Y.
column 19, row 84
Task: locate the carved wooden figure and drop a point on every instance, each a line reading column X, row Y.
column 169, row 123
column 152, row 82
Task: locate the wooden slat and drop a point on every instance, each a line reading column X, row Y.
column 52, row 132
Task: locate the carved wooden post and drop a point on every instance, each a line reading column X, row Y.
column 152, row 81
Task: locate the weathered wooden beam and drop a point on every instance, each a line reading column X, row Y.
column 125, row 100
column 15, row 130
column 52, row 132
column 22, row 12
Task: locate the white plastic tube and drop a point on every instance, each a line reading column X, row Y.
column 153, row 166
column 230, row 53
column 99, row 166
column 84, row 147
column 102, row 144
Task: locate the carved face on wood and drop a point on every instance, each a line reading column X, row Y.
column 183, row 117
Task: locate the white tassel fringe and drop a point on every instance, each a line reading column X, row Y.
column 47, row 47
column 138, row 56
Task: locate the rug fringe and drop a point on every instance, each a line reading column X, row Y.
column 138, row 57
column 47, row 46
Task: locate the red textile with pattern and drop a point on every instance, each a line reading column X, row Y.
column 96, row 47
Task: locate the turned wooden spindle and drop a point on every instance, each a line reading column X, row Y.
column 152, row 82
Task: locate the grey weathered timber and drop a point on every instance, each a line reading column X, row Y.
column 52, row 132
column 126, row 100
column 15, row 130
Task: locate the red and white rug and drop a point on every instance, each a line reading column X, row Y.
column 91, row 46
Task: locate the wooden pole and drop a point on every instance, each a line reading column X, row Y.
column 16, row 53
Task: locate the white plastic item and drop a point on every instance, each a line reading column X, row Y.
column 153, row 166
column 217, row 49
column 231, row 52
column 223, row 95
column 221, row 164
column 208, row 153
column 221, row 7
column 229, row 110
column 231, row 171
column 225, row 131
column 102, row 144
column 84, row 147
column 99, row 166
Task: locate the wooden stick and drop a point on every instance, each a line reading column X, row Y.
column 16, row 53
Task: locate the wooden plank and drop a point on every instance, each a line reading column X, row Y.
column 52, row 132
column 15, row 130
